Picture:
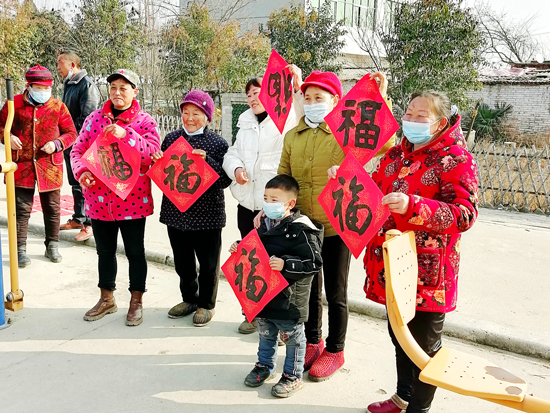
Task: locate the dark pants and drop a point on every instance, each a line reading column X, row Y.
column 426, row 329
column 245, row 220
column 336, row 258
column 50, row 207
column 106, row 236
column 201, row 289
column 79, row 207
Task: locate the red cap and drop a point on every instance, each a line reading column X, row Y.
column 326, row 80
column 39, row 75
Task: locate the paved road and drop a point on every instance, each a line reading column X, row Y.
column 53, row 361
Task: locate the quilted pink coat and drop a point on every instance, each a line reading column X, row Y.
column 141, row 134
column 441, row 181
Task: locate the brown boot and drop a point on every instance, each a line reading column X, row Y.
column 135, row 312
column 105, row 305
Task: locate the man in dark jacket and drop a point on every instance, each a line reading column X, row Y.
column 293, row 242
column 82, row 97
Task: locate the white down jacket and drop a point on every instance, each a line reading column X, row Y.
column 257, row 149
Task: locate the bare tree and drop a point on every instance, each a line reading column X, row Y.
column 507, row 38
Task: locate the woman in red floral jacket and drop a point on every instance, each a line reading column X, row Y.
column 430, row 182
column 42, row 129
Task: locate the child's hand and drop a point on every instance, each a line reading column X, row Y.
column 332, row 171
column 156, row 156
column 276, row 264
column 258, row 219
column 233, row 247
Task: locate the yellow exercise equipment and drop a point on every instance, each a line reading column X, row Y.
column 449, row 369
column 14, row 299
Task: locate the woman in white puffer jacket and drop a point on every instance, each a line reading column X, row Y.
column 254, row 157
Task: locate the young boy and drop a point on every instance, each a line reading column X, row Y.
column 294, row 245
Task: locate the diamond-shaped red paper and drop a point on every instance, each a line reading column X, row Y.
column 365, row 117
column 361, row 213
column 276, row 93
column 166, row 171
column 247, row 284
column 114, row 163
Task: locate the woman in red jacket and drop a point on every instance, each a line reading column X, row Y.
column 430, row 182
column 42, row 129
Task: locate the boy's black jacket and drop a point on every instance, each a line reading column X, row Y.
column 297, row 240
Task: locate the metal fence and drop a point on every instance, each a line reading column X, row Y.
column 167, row 124
column 513, row 177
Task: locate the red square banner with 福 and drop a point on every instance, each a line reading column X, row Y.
column 362, row 122
column 250, row 276
column 114, row 163
column 353, row 205
column 276, row 93
column 182, row 176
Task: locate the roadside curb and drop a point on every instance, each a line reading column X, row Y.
column 457, row 326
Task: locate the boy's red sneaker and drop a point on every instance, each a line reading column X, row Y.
column 313, row 351
column 326, row 365
column 393, row 405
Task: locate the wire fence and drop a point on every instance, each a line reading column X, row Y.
column 167, row 124
column 512, row 177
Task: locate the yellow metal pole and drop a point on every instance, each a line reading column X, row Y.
column 15, row 297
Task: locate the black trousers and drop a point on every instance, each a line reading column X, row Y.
column 336, row 258
column 50, row 207
column 133, row 234
column 426, row 329
column 245, row 220
column 79, row 207
column 201, row 288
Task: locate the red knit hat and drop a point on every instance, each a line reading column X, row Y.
column 326, row 80
column 39, row 75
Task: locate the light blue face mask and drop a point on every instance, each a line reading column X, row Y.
column 417, row 133
column 316, row 112
column 197, row 132
column 40, row 96
column 274, row 210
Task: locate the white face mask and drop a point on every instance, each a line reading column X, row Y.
column 69, row 75
column 316, row 112
column 40, row 96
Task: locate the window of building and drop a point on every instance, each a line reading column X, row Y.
column 353, row 12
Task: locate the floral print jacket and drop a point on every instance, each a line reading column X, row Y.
column 441, row 181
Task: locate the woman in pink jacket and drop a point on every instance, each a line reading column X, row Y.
column 122, row 117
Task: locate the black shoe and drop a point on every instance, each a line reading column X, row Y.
column 258, row 376
column 52, row 252
column 287, row 386
column 22, row 259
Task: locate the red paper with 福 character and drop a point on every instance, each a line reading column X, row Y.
column 250, row 276
column 276, row 93
column 182, row 176
column 114, row 163
column 362, row 122
column 353, row 205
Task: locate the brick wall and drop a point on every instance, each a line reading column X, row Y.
column 531, row 104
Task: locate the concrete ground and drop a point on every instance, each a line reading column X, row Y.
column 53, row 361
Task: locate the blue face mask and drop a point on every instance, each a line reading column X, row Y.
column 274, row 210
column 40, row 96
column 316, row 112
column 197, row 132
column 417, row 133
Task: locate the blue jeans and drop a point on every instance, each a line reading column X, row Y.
column 295, row 345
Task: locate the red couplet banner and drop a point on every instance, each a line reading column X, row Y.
column 362, row 122
column 353, row 204
column 182, row 176
column 253, row 281
column 276, row 93
column 114, row 163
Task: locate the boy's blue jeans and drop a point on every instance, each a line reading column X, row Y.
column 295, row 345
